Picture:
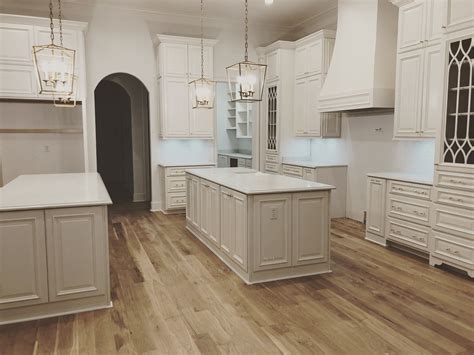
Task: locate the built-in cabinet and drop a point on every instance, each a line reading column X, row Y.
column 18, row 35
column 179, row 62
column 51, row 256
column 375, row 218
column 229, row 160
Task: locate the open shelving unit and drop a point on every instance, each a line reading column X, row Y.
column 239, row 118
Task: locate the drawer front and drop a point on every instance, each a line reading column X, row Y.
column 407, row 233
column 453, row 220
column 410, row 190
column 309, row 174
column 456, row 198
column 241, row 163
column 453, row 249
column 271, row 158
column 271, row 167
column 292, row 170
column 409, row 209
column 248, row 163
column 175, row 171
column 454, row 180
column 176, row 184
column 175, row 201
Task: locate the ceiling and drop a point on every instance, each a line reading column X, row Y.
column 282, row 13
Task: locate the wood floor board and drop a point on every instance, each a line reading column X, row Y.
column 172, row 295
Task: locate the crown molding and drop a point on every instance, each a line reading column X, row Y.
column 42, row 21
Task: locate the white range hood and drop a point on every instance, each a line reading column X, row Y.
column 362, row 71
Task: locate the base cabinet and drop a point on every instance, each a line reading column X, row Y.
column 375, row 222
column 209, row 209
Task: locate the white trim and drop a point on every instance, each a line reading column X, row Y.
column 42, row 21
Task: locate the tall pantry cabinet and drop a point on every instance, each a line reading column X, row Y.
column 179, row 62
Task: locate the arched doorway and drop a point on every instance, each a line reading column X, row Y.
column 122, row 137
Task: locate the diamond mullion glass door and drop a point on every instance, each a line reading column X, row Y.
column 458, row 142
column 272, row 118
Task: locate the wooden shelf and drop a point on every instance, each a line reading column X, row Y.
column 42, row 130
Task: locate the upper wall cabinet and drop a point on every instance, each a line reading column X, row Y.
column 179, row 62
column 312, row 59
column 18, row 35
column 460, row 14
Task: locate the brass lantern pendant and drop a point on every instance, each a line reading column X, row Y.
column 246, row 79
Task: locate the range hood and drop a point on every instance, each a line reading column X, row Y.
column 361, row 75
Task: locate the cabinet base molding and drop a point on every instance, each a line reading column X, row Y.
column 177, row 211
column 254, row 277
column 408, row 249
column 434, row 261
column 54, row 309
column 374, row 238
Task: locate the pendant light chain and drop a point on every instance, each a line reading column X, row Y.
column 246, row 30
column 51, row 25
column 202, row 40
column 60, row 23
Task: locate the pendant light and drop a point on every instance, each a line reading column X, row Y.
column 246, row 79
column 55, row 66
column 203, row 90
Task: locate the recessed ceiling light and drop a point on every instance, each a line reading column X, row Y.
column 268, row 2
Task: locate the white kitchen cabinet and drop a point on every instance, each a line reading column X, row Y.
column 17, row 81
column 23, row 270
column 77, row 252
column 223, row 161
column 209, row 209
column 272, row 231
column 310, row 216
column 273, row 63
column 460, row 14
column 179, row 62
column 16, row 41
column 308, row 59
column 375, row 221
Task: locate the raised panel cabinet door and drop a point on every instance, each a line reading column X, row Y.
column 23, row 271
column 17, row 81
column 460, row 13
column 175, row 107
column 299, row 119
column 376, row 206
column 189, row 198
column 16, row 43
column 273, row 60
column 239, row 247
column 204, row 208
column 331, row 125
column 201, row 122
column 436, row 19
column 310, row 227
column 272, row 231
column 194, row 61
column 227, row 222
column 213, row 212
column 314, row 57
column 432, row 92
column 411, row 25
column 77, row 246
column 408, row 94
column 175, row 59
column 195, row 203
column 313, row 116
column 301, row 61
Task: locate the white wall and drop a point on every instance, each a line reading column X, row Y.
column 367, row 146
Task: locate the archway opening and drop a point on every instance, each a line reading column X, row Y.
column 122, row 138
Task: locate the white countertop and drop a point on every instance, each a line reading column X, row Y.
column 236, row 155
column 184, row 164
column 312, row 164
column 426, row 179
column 251, row 182
column 53, row 191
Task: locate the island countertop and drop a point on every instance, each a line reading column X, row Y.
column 41, row 191
column 252, row 182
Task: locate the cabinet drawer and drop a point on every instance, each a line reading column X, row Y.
column 175, row 184
column 271, row 167
column 410, row 190
column 454, row 180
column 181, row 171
column 175, row 200
column 456, row 250
column 453, row 220
column 292, row 170
column 409, row 209
column 241, row 162
column 248, row 163
column 410, row 234
column 454, row 198
column 309, row 174
column 271, row 158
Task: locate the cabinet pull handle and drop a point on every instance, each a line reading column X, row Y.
column 444, row 26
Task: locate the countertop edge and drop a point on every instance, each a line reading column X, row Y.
column 315, row 165
column 407, row 178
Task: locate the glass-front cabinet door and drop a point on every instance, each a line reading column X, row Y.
column 272, row 117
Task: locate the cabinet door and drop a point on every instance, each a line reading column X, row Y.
column 222, row 161
column 76, row 240
column 432, row 91
column 299, row 118
column 175, row 120
column 436, row 19
column 227, row 228
column 204, row 208
column 16, row 43
column 194, row 61
column 310, row 226
column 408, row 94
column 195, row 203
column 174, row 59
column 23, row 271
column 331, row 125
column 189, row 198
column 411, row 25
column 239, row 242
column 273, row 62
column 213, row 211
column 313, row 116
column 17, row 81
column 201, row 122
column 314, row 57
column 301, row 61
column 460, row 14
column 375, row 206
column 272, row 231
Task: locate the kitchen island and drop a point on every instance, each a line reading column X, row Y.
column 264, row 227
column 53, row 246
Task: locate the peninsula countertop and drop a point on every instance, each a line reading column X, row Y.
column 43, row 191
column 252, row 182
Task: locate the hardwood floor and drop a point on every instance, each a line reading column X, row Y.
column 172, row 295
